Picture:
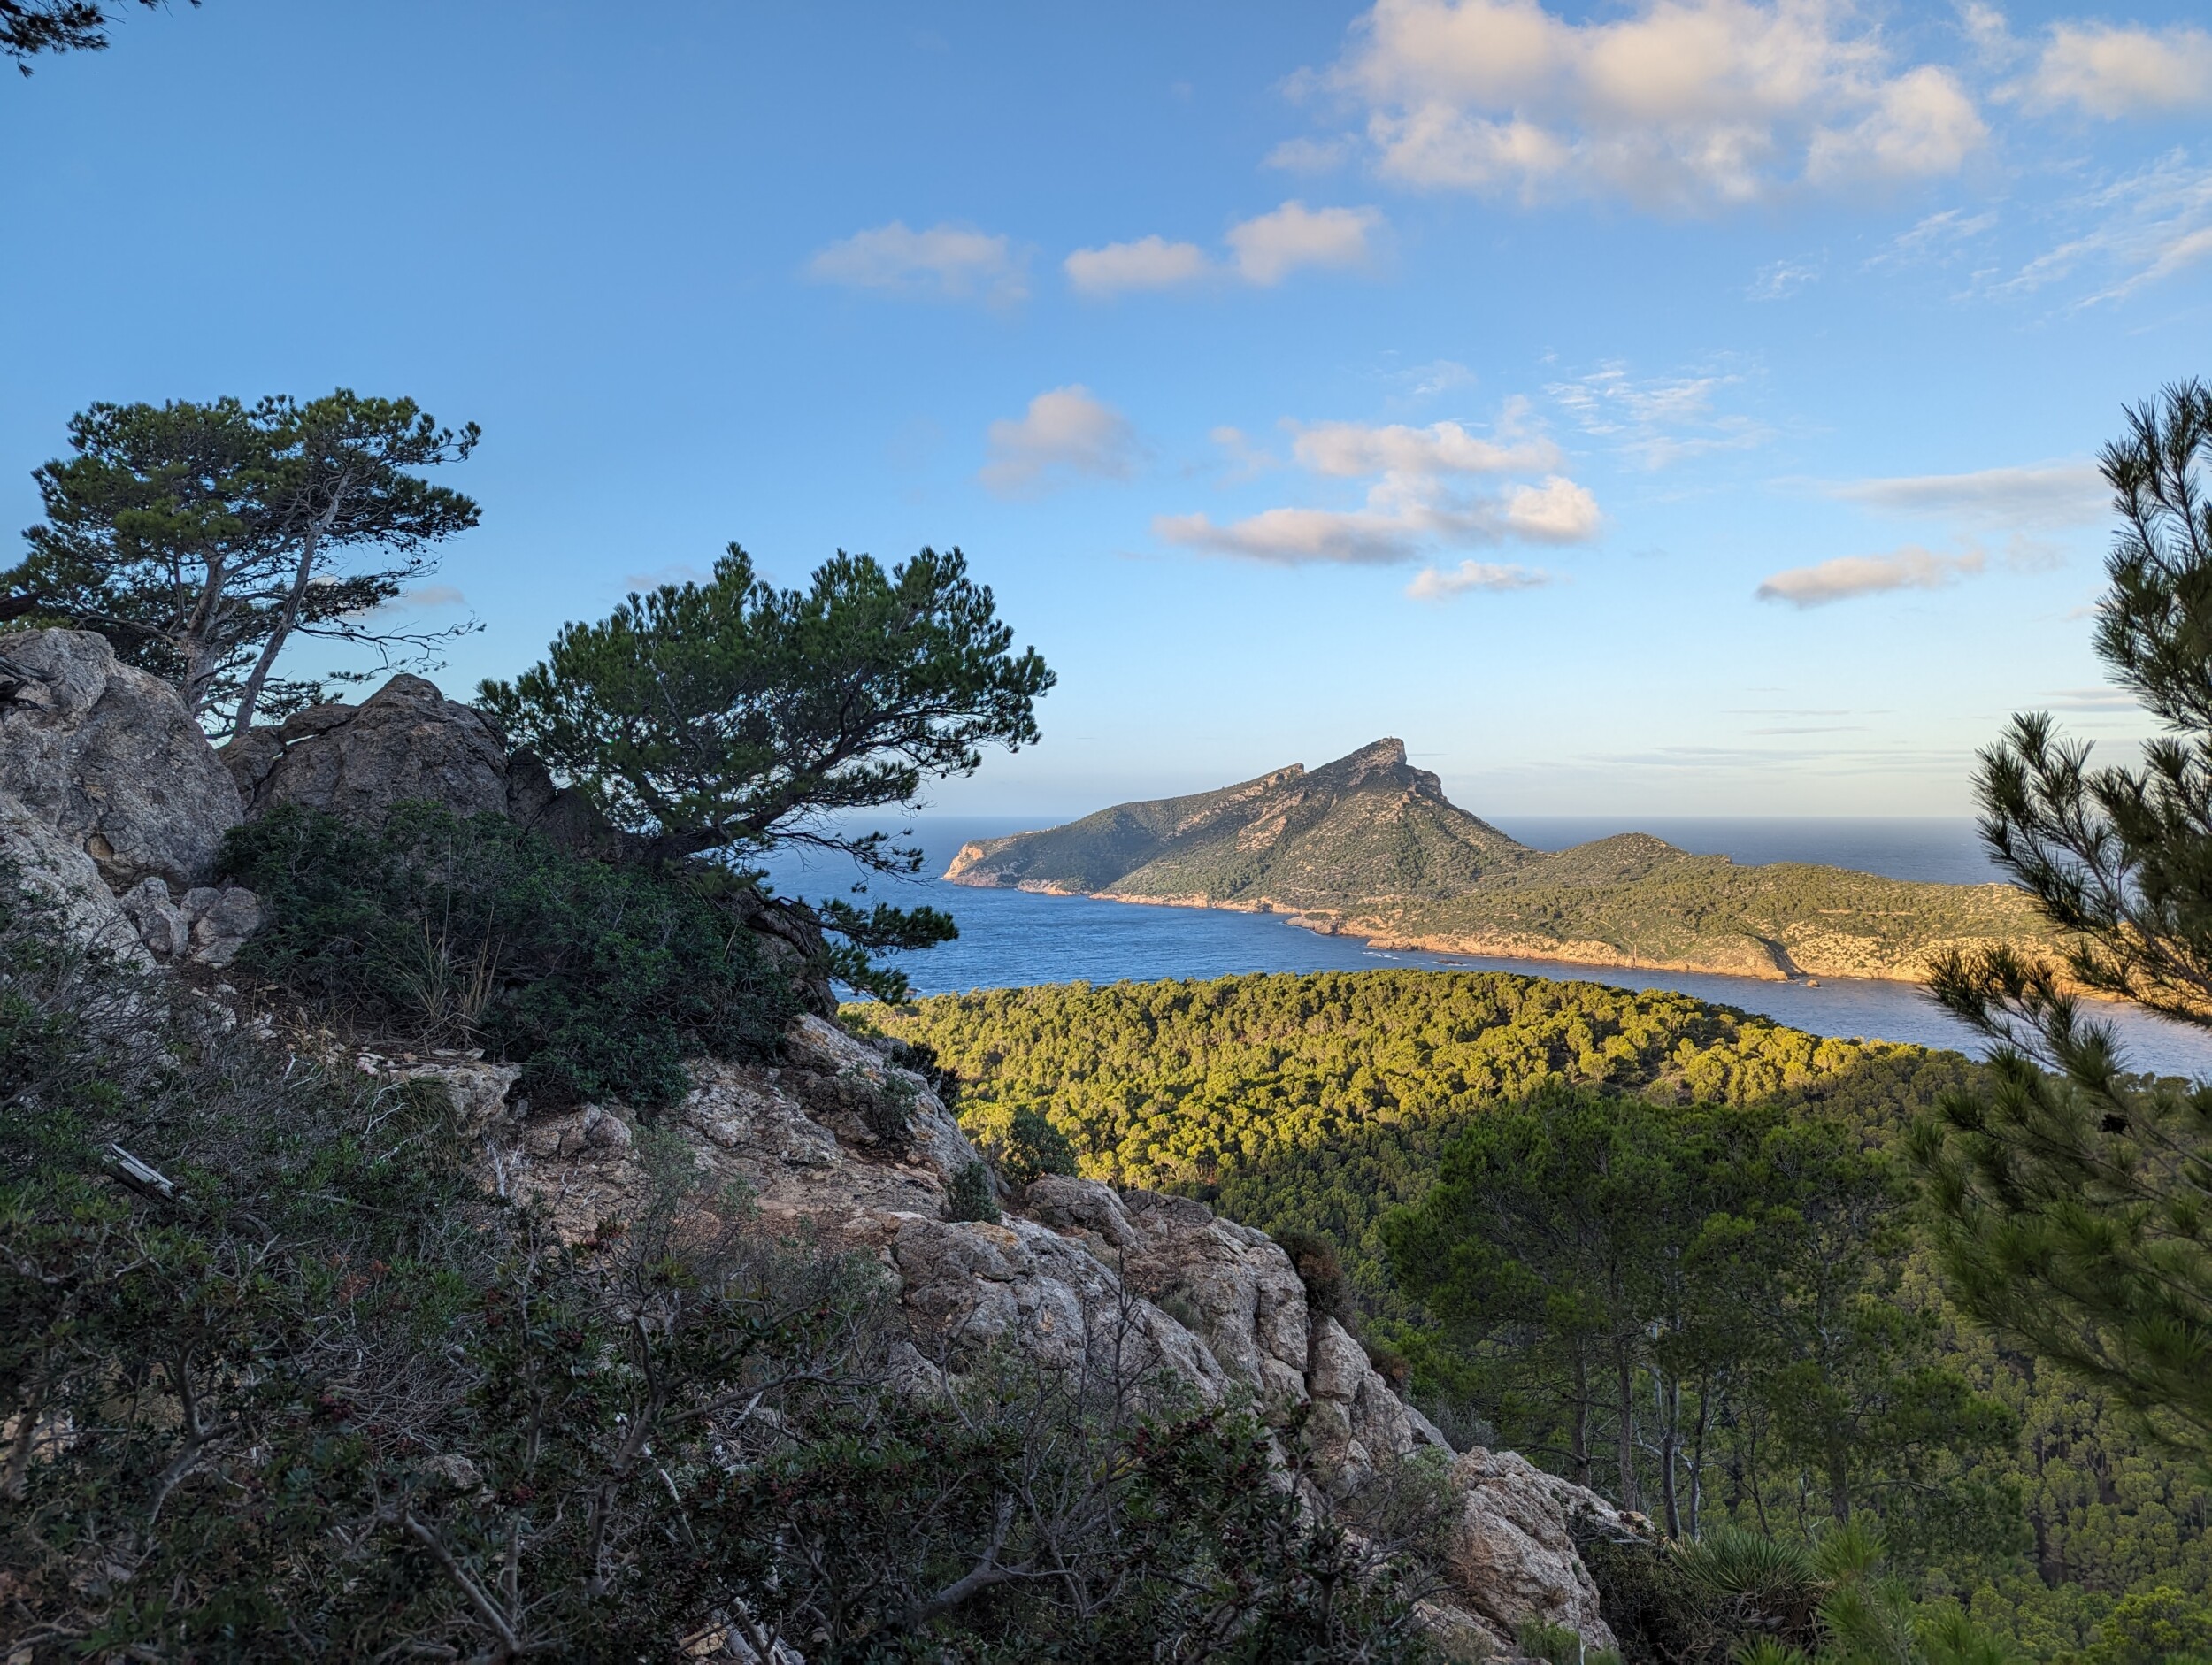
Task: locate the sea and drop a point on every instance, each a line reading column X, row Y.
column 1011, row 938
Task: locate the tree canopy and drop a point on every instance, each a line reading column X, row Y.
column 202, row 538
column 2075, row 1200
column 734, row 716
column 28, row 28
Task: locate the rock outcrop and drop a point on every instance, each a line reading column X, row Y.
column 840, row 1141
column 108, row 757
column 406, row 742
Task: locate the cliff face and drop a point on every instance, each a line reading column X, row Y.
column 1368, row 825
column 835, row 1139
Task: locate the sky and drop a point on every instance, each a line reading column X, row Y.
column 1678, row 408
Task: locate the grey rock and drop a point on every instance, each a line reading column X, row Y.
column 109, row 757
column 163, row 927
column 1512, row 1554
column 52, row 870
column 406, row 742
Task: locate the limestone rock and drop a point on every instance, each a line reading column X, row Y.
column 55, row 871
column 406, row 742
column 1244, row 1296
column 108, row 756
column 162, row 926
column 1512, row 1555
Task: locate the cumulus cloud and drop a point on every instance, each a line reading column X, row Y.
column 1421, row 494
column 1682, row 105
column 1437, row 584
column 1066, row 434
column 1400, row 522
column 1908, row 567
column 1149, row 263
column 1263, row 251
column 1270, row 247
column 947, row 262
column 2034, row 494
column 1347, row 451
column 2112, row 72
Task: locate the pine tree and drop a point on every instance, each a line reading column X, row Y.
column 2074, row 1200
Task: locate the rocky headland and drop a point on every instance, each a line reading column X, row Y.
column 1370, row 847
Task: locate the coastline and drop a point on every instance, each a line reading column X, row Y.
column 1763, row 960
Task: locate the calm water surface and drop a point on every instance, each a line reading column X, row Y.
column 1009, row 938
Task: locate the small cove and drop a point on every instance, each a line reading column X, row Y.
column 1010, row 938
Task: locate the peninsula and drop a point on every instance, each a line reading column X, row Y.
column 1370, row 847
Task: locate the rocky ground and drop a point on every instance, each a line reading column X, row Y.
column 113, row 804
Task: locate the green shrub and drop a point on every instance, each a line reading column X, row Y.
column 316, row 1395
column 598, row 980
column 970, row 1196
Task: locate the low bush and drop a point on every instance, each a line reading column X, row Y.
column 288, row 1384
column 597, row 979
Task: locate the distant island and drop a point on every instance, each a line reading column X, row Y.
column 1370, row 847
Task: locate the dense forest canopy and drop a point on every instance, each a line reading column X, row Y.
column 1316, row 1104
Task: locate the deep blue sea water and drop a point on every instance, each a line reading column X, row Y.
column 1010, row 938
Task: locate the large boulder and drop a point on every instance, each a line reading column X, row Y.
column 406, row 742
column 107, row 756
column 53, row 872
column 1512, row 1552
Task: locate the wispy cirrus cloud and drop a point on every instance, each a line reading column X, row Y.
column 1261, row 252
column 2032, row 495
column 1065, row 435
column 1659, row 419
column 1908, row 567
column 1436, row 584
column 945, row 262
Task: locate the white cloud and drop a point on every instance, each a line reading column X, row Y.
column 950, row 262
column 1347, row 451
column 1263, row 251
column 1415, row 502
column 1781, row 279
column 1658, row 420
column 1436, row 584
column 1681, row 105
column 1149, row 263
column 2114, row 71
column 2035, row 494
column 1557, row 512
column 1270, row 247
column 1065, row 432
column 1908, row 567
column 1923, row 125
column 426, row 598
column 2140, row 228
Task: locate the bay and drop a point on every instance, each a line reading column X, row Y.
column 1011, row 938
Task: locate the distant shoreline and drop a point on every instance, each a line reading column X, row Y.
column 1381, row 938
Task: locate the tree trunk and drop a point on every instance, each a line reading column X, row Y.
column 1839, row 1481
column 1578, row 1436
column 310, row 542
column 1625, row 1438
column 1697, row 1458
column 1670, row 1451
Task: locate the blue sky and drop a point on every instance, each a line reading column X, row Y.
column 1662, row 409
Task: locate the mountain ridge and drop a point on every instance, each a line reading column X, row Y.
column 1370, row 847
